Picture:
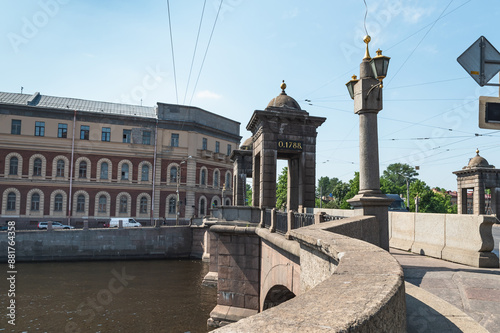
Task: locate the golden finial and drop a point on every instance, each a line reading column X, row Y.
column 354, row 77
column 379, row 52
column 283, row 86
column 367, row 40
column 477, row 151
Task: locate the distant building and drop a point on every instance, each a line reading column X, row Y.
column 71, row 159
column 487, row 202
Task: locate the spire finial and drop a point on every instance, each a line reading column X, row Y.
column 477, row 151
column 367, row 40
column 283, row 86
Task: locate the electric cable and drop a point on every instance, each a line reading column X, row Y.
column 418, row 44
column 172, row 48
column 194, row 53
column 206, row 51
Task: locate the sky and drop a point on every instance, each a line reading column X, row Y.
column 121, row 51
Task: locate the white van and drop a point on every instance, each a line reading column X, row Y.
column 126, row 222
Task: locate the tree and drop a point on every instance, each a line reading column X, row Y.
column 394, row 178
column 430, row 201
column 282, row 189
column 353, row 190
column 248, row 195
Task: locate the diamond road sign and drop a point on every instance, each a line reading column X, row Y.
column 481, row 60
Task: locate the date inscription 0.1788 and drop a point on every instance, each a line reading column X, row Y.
column 289, row 145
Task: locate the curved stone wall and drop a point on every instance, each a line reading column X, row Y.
column 365, row 293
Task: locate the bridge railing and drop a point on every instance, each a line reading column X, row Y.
column 327, row 218
column 302, row 220
column 267, row 218
column 281, row 223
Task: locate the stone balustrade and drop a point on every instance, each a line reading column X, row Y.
column 349, row 284
column 464, row 239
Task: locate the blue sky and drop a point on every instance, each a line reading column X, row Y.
column 120, row 51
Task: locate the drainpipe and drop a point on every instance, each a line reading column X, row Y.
column 154, row 172
column 71, row 168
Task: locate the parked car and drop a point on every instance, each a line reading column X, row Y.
column 55, row 225
column 398, row 205
column 126, row 222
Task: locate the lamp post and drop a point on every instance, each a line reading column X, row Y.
column 177, row 210
column 367, row 95
column 223, row 190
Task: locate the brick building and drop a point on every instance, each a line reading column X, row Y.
column 67, row 159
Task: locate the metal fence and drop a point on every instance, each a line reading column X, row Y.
column 327, row 218
column 267, row 218
column 281, row 223
column 302, row 220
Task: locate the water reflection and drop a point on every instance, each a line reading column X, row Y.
column 110, row 296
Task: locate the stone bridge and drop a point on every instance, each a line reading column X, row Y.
column 332, row 272
column 328, row 266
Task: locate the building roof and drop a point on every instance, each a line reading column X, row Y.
column 64, row 103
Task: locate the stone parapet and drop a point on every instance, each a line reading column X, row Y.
column 464, row 239
column 357, row 287
column 101, row 244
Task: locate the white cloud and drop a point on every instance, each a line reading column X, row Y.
column 207, row 94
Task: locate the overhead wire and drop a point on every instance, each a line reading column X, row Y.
column 172, row 48
column 194, row 52
column 206, row 51
column 418, row 44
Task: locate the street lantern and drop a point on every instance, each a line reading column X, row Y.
column 370, row 199
column 224, row 190
column 350, row 85
column 380, row 65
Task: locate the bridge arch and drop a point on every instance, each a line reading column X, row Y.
column 277, row 295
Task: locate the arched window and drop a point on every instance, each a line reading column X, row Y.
column 103, row 202
column 123, row 203
column 216, row 178
column 11, row 201
column 104, row 170
column 202, row 207
column 58, row 203
column 82, row 170
column 215, row 203
column 228, row 181
column 60, row 168
column 171, row 205
column 173, row 174
column 37, row 167
column 228, row 202
column 13, row 164
column 125, row 168
column 143, row 208
column 203, row 177
column 145, row 173
column 80, row 203
column 35, row 202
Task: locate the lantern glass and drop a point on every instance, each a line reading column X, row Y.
column 350, row 86
column 379, row 65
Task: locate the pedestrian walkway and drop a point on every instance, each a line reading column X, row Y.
column 475, row 291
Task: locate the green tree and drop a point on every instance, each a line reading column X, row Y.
column 394, row 178
column 430, row 201
column 282, row 189
column 353, row 190
column 248, row 195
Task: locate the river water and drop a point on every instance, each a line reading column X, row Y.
column 109, row 296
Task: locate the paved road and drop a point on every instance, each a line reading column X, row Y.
column 475, row 291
